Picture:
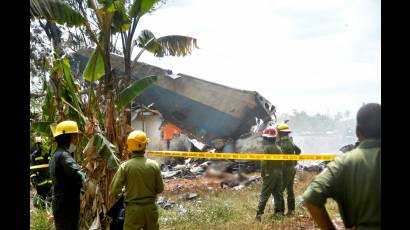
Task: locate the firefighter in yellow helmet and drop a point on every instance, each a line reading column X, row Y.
column 142, row 180
column 289, row 170
column 66, row 176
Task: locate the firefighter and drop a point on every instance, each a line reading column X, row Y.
column 289, row 170
column 40, row 177
column 143, row 182
column 67, row 177
column 271, row 173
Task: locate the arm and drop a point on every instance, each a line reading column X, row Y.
column 320, row 216
column 159, row 182
column 325, row 185
column 117, row 182
column 297, row 149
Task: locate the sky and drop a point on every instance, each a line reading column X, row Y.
column 319, row 56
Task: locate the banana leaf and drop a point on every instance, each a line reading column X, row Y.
column 132, row 91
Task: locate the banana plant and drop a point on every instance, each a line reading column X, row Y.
column 103, row 137
column 173, row 45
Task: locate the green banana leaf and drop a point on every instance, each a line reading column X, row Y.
column 106, row 149
column 55, row 11
column 42, row 127
column 132, row 91
column 141, row 7
column 94, row 69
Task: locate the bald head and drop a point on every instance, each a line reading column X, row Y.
column 369, row 121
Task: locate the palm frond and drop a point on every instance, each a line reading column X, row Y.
column 55, row 11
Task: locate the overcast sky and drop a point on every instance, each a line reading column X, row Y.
column 317, row 55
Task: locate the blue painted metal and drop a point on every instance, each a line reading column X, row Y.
column 199, row 119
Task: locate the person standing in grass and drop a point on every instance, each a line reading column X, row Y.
column 142, row 182
column 353, row 179
column 289, row 170
column 271, row 172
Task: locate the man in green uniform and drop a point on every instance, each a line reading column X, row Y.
column 353, row 179
column 289, row 170
column 142, row 180
column 271, row 172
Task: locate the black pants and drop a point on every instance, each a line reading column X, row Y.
column 43, row 190
column 66, row 213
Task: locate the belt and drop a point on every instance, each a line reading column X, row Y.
column 140, row 202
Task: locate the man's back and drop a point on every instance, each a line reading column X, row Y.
column 360, row 202
column 142, row 180
column 270, row 165
column 353, row 180
column 66, row 175
column 288, row 147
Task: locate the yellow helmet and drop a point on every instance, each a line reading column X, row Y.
column 284, row 128
column 66, row 127
column 137, row 140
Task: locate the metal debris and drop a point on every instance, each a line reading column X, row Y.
column 165, row 203
column 187, row 196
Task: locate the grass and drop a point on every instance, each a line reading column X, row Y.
column 222, row 209
column 231, row 209
column 39, row 220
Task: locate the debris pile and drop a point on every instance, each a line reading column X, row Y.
column 316, row 166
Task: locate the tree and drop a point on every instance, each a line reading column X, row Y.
column 174, row 45
column 103, row 138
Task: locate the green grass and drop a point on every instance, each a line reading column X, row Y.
column 39, row 220
column 231, row 209
column 223, row 209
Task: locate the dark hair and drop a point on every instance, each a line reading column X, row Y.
column 369, row 120
column 63, row 140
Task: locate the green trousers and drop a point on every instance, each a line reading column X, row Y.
column 141, row 217
column 288, row 181
column 271, row 185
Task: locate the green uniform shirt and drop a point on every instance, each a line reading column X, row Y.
column 141, row 178
column 268, row 167
column 288, row 147
column 353, row 181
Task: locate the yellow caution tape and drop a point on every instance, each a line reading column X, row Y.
column 39, row 166
column 243, row 156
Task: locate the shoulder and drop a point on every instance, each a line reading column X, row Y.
column 152, row 163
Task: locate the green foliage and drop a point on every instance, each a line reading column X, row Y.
column 50, row 105
column 55, row 11
column 141, row 7
column 106, row 149
column 172, row 45
column 94, row 69
column 121, row 22
column 132, row 91
column 42, row 127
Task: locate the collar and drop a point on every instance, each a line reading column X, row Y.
column 370, row 143
column 135, row 155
